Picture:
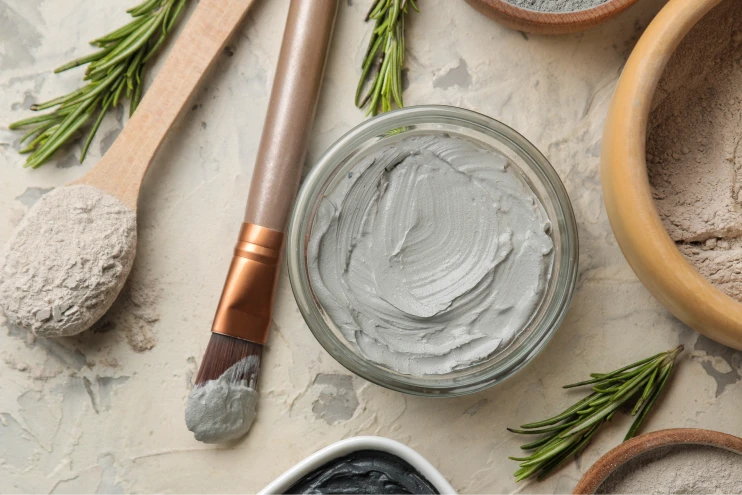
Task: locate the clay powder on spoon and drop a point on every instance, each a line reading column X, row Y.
column 67, row 261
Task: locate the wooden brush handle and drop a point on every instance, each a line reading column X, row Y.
column 246, row 305
column 121, row 170
column 293, row 101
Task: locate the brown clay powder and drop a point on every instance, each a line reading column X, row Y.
column 694, row 155
column 695, row 469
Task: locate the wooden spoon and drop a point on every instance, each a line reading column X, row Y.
column 70, row 256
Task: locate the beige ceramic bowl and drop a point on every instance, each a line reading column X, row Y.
column 628, row 198
column 610, row 462
column 532, row 21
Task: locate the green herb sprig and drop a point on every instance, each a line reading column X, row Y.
column 115, row 72
column 385, row 56
column 567, row 433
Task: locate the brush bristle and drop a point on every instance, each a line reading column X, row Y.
column 223, row 352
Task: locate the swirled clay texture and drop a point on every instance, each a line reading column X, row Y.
column 365, row 471
column 430, row 255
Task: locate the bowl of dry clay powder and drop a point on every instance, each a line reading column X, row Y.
column 551, row 16
column 683, row 460
column 672, row 157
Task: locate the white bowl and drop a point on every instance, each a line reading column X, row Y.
column 350, row 445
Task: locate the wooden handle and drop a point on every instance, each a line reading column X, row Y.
column 121, row 170
column 293, row 101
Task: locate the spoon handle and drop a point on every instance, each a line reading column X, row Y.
column 121, row 170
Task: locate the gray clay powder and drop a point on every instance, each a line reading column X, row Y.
column 66, row 262
column 556, row 5
column 679, row 469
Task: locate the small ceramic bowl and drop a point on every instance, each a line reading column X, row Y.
column 613, row 460
column 628, row 196
column 532, row 21
column 483, row 132
column 350, row 445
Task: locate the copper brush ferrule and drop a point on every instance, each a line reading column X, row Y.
column 246, row 305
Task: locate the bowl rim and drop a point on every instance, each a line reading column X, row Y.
column 618, row 456
column 354, row 444
column 539, row 22
column 633, row 215
column 383, row 125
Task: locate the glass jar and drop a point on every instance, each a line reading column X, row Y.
column 483, row 132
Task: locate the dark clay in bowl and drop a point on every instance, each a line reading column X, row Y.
column 364, row 471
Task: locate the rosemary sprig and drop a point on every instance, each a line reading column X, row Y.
column 115, row 72
column 567, row 433
column 384, row 56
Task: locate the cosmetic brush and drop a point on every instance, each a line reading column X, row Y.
column 221, row 406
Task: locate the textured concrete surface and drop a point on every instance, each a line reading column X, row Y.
column 104, row 411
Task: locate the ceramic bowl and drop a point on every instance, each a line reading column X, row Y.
column 350, row 445
column 628, row 198
column 532, row 21
column 485, row 133
column 613, row 460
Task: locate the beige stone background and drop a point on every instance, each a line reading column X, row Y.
column 103, row 412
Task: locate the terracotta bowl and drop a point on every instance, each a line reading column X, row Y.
column 610, row 462
column 628, row 197
column 532, row 21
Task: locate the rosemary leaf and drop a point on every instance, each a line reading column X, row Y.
column 95, row 127
column 569, row 432
column 643, row 414
column 385, row 57
column 568, row 412
column 547, row 469
column 648, row 389
column 598, row 377
column 538, row 443
column 114, row 72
